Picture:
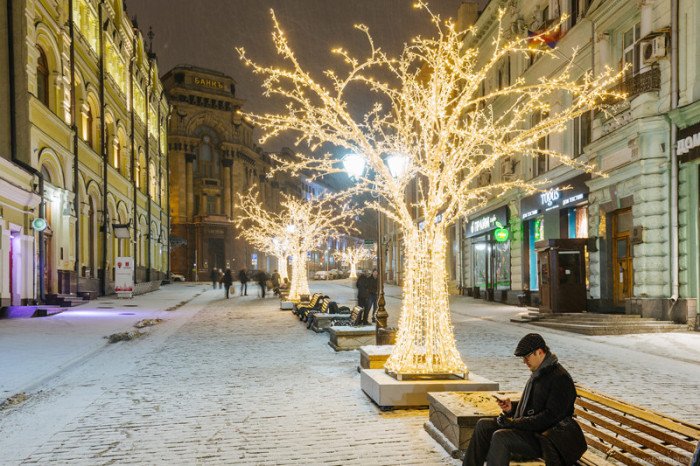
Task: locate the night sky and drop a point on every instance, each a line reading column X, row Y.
column 205, row 33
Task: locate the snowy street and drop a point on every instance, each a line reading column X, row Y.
column 241, row 382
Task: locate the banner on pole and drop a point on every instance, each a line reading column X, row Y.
column 124, row 277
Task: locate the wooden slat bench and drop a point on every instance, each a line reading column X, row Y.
column 632, row 435
column 617, row 432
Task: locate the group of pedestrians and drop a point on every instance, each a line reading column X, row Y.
column 264, row 280
column 367, row 285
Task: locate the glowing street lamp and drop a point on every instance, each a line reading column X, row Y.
column 354, row 165
column 398, row 165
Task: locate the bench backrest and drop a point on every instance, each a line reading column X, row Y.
column 633, row 435
column 356, row 315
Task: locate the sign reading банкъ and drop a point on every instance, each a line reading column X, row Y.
column 206, row 82
column 688, row 144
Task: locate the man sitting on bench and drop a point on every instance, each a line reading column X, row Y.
column 540, row 424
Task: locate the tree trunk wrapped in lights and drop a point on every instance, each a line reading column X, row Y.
column 441, row 125
column 300, row 282
column 298, row 227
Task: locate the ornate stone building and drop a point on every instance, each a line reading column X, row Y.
column 213, row 159
column 85, row 151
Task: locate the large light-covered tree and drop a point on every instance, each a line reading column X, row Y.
column 299, row 226
column 435, row 125
column 353, row 255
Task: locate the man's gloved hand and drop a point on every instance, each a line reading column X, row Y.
column 504, row 421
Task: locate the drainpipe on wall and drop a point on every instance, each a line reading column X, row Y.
column 148, row 168
column 133, row 162
column 74, row 128
column 674, row 155
column 13, row 142
column 103, row 144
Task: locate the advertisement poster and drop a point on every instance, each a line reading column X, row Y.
column 124, row 277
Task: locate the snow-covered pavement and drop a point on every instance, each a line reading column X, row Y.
column 241, row 382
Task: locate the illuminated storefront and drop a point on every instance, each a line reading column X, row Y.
column 557, row 213
column 489, row 239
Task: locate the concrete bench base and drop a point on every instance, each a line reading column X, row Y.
column 351, row 338
column 321, row 322
column 453, row 416
column 374, row 356
column 389, row 393
column 286, row 305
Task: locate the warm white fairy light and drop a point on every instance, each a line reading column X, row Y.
column 433, row 110
column 297, row 228
column 353, row 256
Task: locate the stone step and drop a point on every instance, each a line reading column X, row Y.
column 605, row 321
column 587, row 329
column 589, row 315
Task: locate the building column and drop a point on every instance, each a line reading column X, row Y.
column 189, row 180
column 227, row 188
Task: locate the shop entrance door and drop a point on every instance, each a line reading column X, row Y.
column 623, row 271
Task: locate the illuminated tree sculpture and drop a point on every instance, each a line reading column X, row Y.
column 353, row 256
column 438, row 123
column 299, row 227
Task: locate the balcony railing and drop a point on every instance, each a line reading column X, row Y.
column 647, row 81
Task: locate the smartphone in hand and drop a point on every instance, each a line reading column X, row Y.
column 500, row 397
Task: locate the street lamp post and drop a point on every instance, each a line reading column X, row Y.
column 398, row 165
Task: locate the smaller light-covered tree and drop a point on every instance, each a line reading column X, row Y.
column 299, row 226
column 353, row 256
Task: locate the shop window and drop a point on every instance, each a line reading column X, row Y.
column 42, row 78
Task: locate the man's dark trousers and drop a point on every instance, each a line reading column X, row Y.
column 495, row 445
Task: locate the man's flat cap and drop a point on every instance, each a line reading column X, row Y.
column 529, row 343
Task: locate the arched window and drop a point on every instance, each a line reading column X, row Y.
column 42, row 78
column 89, row 121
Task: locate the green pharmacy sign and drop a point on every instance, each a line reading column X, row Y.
column 501, row 234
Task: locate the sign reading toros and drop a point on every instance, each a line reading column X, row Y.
column 206, row 82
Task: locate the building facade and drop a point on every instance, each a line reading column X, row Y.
column 85, row 151
column 213, row 160
column 639, row 223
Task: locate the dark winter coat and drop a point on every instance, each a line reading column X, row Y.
column 242, row 276
column 550, row 404
column 371, row 285
column 228, row 278
column 261, row 278
column 275, row 279
column 362, row 291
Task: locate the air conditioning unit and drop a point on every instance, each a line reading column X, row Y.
column 508, row 167
column 653, row 48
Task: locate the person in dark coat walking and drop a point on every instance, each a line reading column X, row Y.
column 214, row 275
column 526, row 428
column 261, row 278
column 227, row 280
column 372, row 290
column 243, row 278
column 363, row 296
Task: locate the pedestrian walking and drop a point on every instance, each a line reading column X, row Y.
column 372, row 290
column 362, row 296
column 214, row 275
column 540, row 425
column 261, row 278
column 227, row 281
column 243, row 278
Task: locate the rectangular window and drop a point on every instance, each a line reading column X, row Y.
column 582, row 133
column 211, row 205
column 573, row 12
column 541, row 160
column 630, row 51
